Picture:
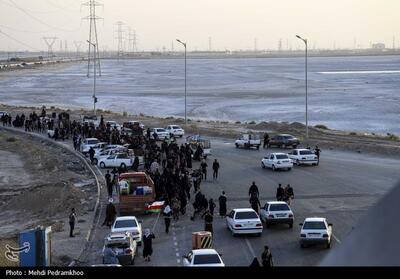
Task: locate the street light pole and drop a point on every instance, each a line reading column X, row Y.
column 184, row 44
column 94, row 78
column 306, row 74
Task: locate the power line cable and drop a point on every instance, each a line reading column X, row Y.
column 18, row 41
column 24, row 31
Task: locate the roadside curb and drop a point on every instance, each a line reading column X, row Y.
column 97, row 208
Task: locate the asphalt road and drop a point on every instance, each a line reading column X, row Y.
column 341, row 189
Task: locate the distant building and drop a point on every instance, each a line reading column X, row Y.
column 378, row 46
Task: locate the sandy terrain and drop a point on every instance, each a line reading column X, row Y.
column 39, row 184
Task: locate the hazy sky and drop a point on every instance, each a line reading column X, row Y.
column 232, row 24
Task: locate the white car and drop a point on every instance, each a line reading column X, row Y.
column 277, row 212
column 277, row 161
column 123, row 245
column 87, row 143
column 134, row 123
column 122, row 160
column 3, row 113
column 128, row 224
column 113, row 124
column 106, row 147
column 315, row 230
column 244, row 221
column 175, row 130
column 161, row 133
column 203, row 258
column 104, row 154
column 303, row 156
column 248, row 141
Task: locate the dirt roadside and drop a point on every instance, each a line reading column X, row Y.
column 39, row 184
column 383, row 145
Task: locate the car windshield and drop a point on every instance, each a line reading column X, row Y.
column 93, row 142
column 306, row 152
column 246, row 215
column 125, row 224
column 314, row 226
column 175, row 127
column 281, row 156
column 160, row 130
column 279, row 207
column 206, row 259
column 288, row 137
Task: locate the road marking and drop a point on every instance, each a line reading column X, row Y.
column 250, row 248
column 337, row 239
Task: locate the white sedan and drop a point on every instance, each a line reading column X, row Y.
column 244, row 221
column 87, row 143
column 303, row 156
column 277, row 161
column 315, row 230
column 203, row 258
column 122, row 160
column 175, row 130
column 277, row 212
column 128, row 224
column 160, row 132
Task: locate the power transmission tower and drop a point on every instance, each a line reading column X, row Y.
column 61, row 47
column 280, row 45
column 120, row 38
column 93, row 39
column 50, row 42
column 78, row 45
column 66, row 47
column 134, row 41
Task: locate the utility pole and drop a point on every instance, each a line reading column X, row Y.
column 120, row 38
column 280, row 45
column 172, row 46
column 92, row 4
column 306, row 81
column 50, row 42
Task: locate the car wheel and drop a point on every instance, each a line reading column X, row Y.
column 273, row 168
column 258, row 147
column 123, row 166
column 289, row 169
column 259, row 234
column 302, row 245
column 237, row 145
column 181, row 136
column 102, row 165
column 262, row 165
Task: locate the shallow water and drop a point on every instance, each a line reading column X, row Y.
column 350, row 93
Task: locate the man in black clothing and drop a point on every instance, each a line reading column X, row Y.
column 266, row 140
column 317, row 152
column 204, row 169
column 211, row 206
column 222, row 204
column 266, row 257
column 280, row 192
column 208, row 222
column 108, row 183
column 72, row 219
column 253, row 190
column 255, row 203
column 215, row 169
column 91, row 154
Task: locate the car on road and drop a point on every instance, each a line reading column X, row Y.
column 248, row 141
column 277, row 212
column 161, row 133
column 113, row 124
column 283, row 141
column 175, row 130
column 203, row 258
column 104, row 154
column 128, row 224
column 315, row 230
column 87, row 143
column 106, row 147
column 303, row 157
column 244, row 221
column 277, row 161
column 123, row 245
column 122, row 160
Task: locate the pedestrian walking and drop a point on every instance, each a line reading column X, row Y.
column 266, row 140
column 317, row 152
column 208, row 222
column 167, row 217
column 255, row 203
column 280, row 192
column 211, row 206
column 253, row 190
column 215, row 169
column 203, row 166
column 91, row 154
column 109, row 184
column 266, row 257
column 147, row 244
column 289, row 194
column 72, row 220
column 222, row 204
column 111, row 212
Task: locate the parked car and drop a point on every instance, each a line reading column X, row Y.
column 161, row 133
column 203, row 258
column 283, row 141
column 277, row 161
column 277, row 212
column 87, row 143
column 122, row 160
column 244, row 221
column 175, row 130
column 113, row 124
column 128, row 224
column 315, row 231
column 123, row 245
column 106, row 147
column 104, row 154
column 91, row 120
column 133, row 124
column 303, row 156
column 248, row 141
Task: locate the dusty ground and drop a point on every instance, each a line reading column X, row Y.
column 39, row 184
column 387, row 145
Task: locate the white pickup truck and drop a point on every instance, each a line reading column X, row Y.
column 248, row 141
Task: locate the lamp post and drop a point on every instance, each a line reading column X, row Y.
column 305, row 41
column 94, row 78
column 184, row 44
